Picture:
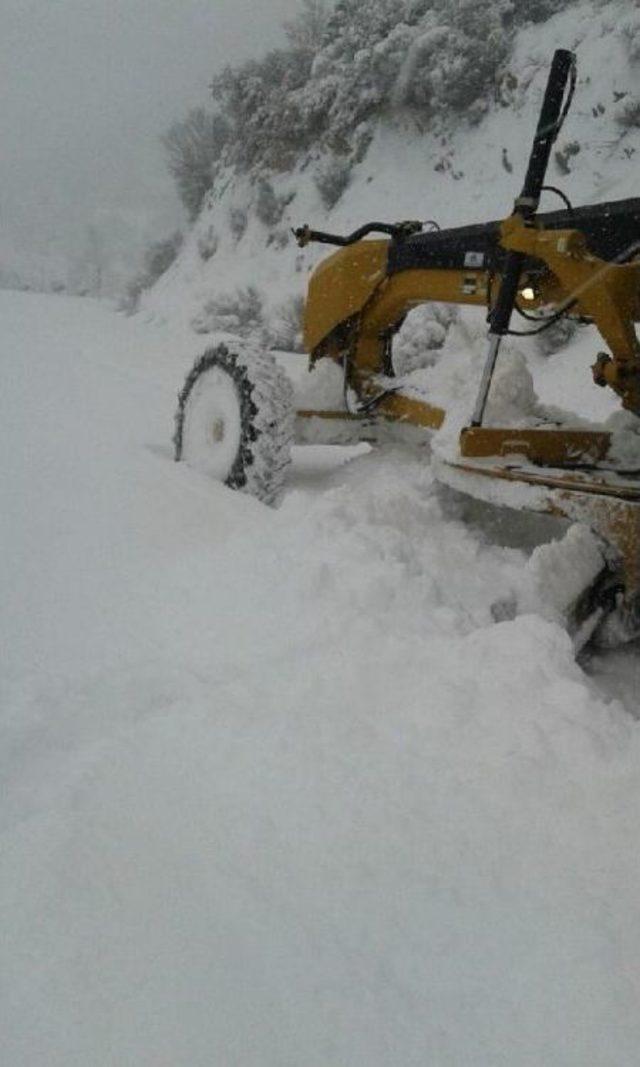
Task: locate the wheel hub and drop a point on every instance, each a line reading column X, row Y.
column 212, row 432
column 217, row 430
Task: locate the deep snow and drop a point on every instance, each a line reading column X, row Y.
column 278, row 789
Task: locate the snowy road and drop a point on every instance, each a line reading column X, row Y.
column 277, row 788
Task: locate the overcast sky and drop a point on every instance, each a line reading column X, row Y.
column 87, row 86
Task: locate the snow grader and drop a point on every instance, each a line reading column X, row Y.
column 235, row 417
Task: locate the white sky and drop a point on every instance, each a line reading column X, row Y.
column 87, row 87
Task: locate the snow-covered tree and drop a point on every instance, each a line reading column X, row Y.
column 194, row 146
column 348, row 64
column 363, row 59
column 306, row 29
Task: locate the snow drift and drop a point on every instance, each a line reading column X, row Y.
column 278, row 788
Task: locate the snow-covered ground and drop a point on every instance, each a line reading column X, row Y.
column 278, row 789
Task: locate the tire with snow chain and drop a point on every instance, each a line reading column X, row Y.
column 235, row 421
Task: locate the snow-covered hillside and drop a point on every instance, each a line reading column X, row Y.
column 277, row 787
column 466, row 173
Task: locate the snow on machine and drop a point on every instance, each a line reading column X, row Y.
column 235, row 417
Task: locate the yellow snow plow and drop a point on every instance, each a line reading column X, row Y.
column 581, row 263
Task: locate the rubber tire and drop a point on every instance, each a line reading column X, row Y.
column 265, row 413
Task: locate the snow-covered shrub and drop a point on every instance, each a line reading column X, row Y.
column 433, row 56
column 627, row 113
column 331, row 180
column 455, row 62
column 350, row 63
column 240, row 312
column 279, row 238
column 284, row 328
column 238, row 220
column 630, row 33
column 157, row 259
column 258, row 100
column 208, row 243
column 128, row 300
column 12, row 279
column 194, row 147
column 539, row 10
column 421, row 336
column 269, row 207
column 160, row 255
column 305, row 30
